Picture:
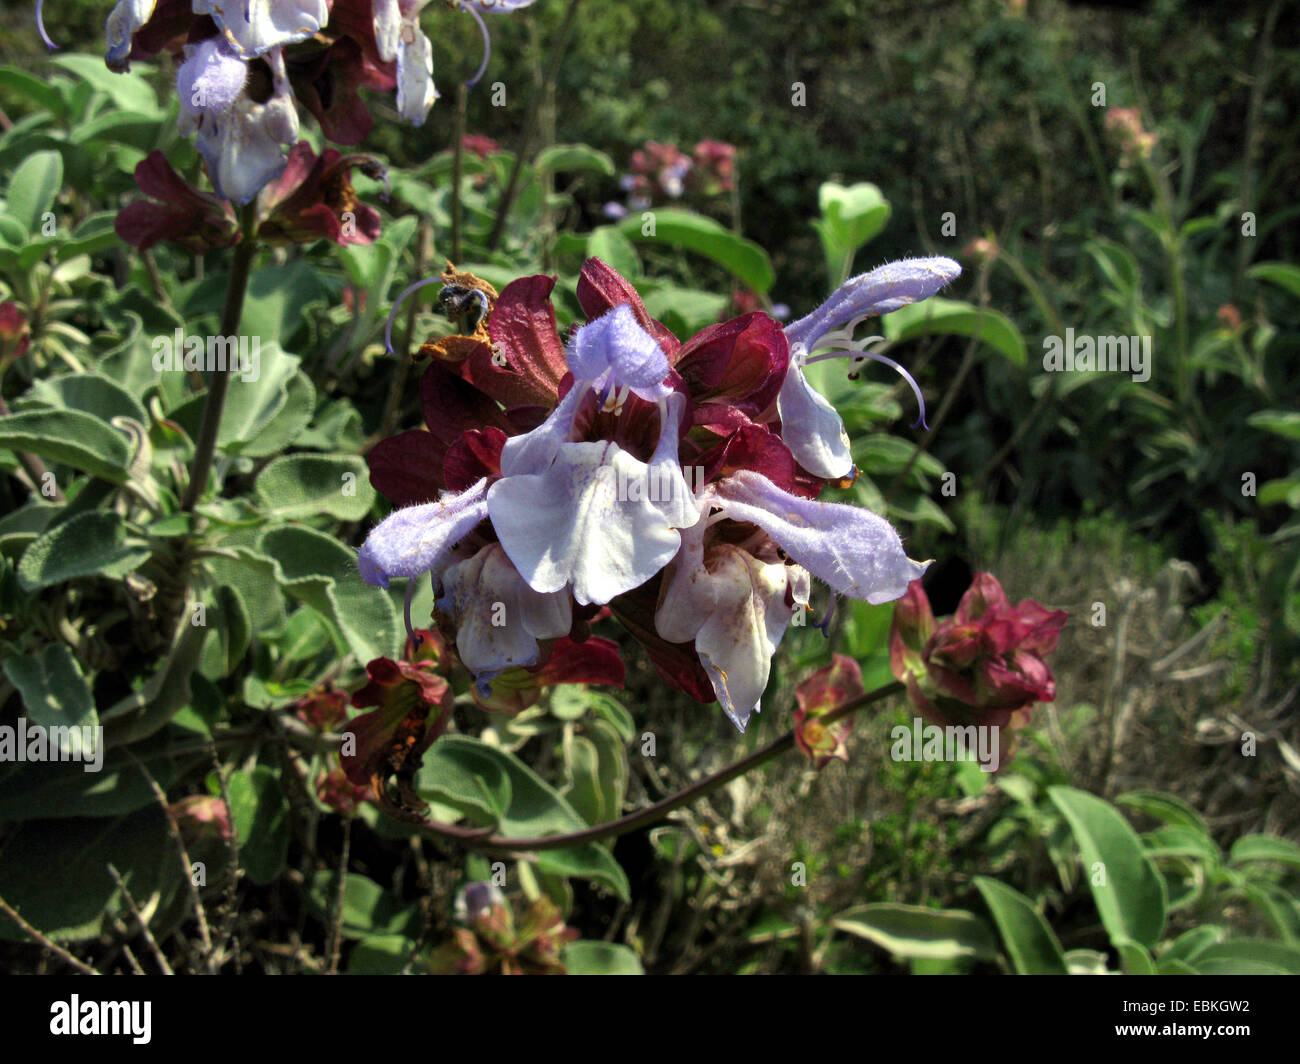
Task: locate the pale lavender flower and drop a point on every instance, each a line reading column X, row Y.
column 398, row 37
column 560, row 509
column 419, row 539
column 810, row 426
column 123, row 22
column 211, row 78
column 735, row 610
column 242, row 145
column 736, row 604
column 474, row 590
column 254, row 27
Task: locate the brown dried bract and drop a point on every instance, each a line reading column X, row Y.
column 466, row 299
column 451, row 348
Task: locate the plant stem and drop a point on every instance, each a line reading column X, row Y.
column 530, row 124
column 457, row 157
column 231, row 312
column 1250, row 154
column 656, row 812
column 1048, row 395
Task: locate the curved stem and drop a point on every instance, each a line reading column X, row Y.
column 458, row 154
column 236, row 287
column 478, row 840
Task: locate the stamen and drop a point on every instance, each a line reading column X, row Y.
column 411, row 633
column 487, row 48
column 392, row 314
column 860, row 349
column 604, row 394
column 40, row 27
column 825, row 625
column 614, row 397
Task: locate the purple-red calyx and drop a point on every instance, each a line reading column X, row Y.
column 313, row 199
column 982, row 666
column 174, row 211
column 15, row 333
column 827, row 689
column 409, row 703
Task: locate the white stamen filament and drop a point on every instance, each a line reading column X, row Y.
column 839, row 343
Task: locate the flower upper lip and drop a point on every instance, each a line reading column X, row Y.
column 809, row 424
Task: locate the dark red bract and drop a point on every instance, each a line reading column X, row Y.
column 982, row 666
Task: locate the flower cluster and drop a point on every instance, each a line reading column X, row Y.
column 498, row 938
column 1125, row 125
column 240, row 66
column 982, row 666
column 826, row 690
column 312, row 199
column 673, row 482
column 409, row 702
column 659, row 173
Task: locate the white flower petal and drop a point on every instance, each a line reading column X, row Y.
column 689, row 594
column 737, row 609
column 668, row 483
column 415, row 91
column 498, row 617
column 568, row 524
column 257, row 26
column 534, row 451
column 388, row 28
column 811, row 428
